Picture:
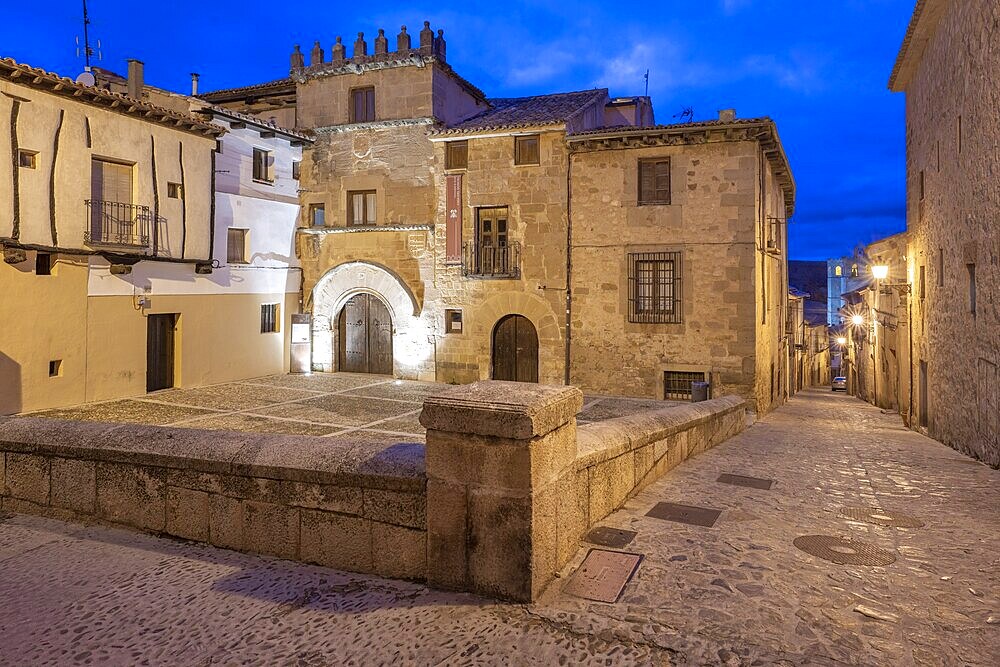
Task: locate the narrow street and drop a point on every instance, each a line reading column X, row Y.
column 739, row 592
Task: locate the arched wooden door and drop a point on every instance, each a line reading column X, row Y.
column 515, row 350
column 365, row 328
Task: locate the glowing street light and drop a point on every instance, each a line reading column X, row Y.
column 841, row 341
column 880, row 271
column 857, row 320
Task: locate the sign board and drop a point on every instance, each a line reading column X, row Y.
column 453, row 224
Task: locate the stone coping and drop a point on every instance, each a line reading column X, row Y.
column 336, row 461
column 605, row 440
column 515, row 410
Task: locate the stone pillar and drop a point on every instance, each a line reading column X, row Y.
column 439, row 45
column 339, row 50
column 427, row 39
column 316, row 57
column 360, row 46
column 502, row 515
column 403, row 40
column 298, row 61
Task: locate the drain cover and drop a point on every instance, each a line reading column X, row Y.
column 752, row 482
column 844, row 551
column 616, row 538
column 695, row 516
column 881, row 517
column 603, row 575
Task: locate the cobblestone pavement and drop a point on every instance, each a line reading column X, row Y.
column 369, row 407
column 737, row 593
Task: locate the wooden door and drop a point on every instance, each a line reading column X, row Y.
column 365, row 328
column 160, row 351
column 515, row 350
column 491, row 241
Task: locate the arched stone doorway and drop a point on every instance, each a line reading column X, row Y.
column 515, row 349
column 365, row 336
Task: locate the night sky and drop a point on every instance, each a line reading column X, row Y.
column 819, row 69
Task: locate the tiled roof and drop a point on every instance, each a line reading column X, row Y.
column 622, row 129
column 266, row 87
column 54, row 84
column 211, row 109
column 538, row 110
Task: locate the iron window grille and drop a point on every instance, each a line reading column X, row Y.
column 677, row 384
column 269, row 318
column 654, row 287
column 117, row 224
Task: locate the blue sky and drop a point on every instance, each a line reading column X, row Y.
column 819, row 69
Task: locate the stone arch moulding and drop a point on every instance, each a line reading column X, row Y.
column 342, row 282
column 536, row 309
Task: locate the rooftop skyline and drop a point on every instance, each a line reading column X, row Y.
column 819, row 71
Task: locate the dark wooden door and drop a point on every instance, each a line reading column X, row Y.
column 365, row 336
column 515, row 350
column 160, row 351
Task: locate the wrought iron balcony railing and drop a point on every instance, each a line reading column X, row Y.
column 111, row 223
column 488, row 261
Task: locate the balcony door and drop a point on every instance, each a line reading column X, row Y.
column 492, row 248
column 111, row 201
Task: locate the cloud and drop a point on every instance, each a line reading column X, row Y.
column 730, row 7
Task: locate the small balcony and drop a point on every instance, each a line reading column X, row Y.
column 488, row 261
column 111, row 223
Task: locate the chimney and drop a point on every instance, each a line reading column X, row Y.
column 439, row 44
column 427, row 38
column 298, row 60
column 403, row 40
column 316, row 57
column 339, row 51
column 360, row 45
column 194, row 84
column 727, row 115
column 381, row 43
column 135, row 82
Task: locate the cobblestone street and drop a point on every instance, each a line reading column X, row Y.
column 736, row 593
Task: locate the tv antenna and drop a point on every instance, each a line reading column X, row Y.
column 686, row 114
column 647, row 82
column 88, row 51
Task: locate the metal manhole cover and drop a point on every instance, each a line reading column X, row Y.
column 603, row 575
column 689, row 514
column 616, row 538
column 881, row 517
column 844, row 551
column 742, row 480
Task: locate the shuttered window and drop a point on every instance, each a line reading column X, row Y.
column 263, row 165
column 361, row 207
column 526, row 149
column 236, row 246
column 362, row 105
column 456, row 155
column 111, row 182
column 654, row 181
column 269, row 318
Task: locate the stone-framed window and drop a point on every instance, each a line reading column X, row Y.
column 361, row 207
column 526, row 149
column 654, row 181
column 456, row 155
column 654, row 282
column 677, row 384
column 362, row 104
column 317, row 215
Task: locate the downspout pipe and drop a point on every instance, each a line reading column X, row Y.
column 569, row 262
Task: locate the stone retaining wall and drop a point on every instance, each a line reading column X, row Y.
column 345, row 505
column 495, row 504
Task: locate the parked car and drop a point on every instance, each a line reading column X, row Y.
column 839, row 384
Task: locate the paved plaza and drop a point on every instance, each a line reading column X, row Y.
column 353, row 406
column 736, row 593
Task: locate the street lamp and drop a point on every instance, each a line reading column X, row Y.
column 857, row 319
column 841, row 341
column 880, row 271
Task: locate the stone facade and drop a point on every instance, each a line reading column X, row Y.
column 947, row 69
column 569, row 216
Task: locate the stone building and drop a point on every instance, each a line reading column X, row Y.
column 554, row 238
column 116, row 278
column 947, row 67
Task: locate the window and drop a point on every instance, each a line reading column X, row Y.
column 922, row 282
column 27, row 159
column 361, row 207
column 677, row 384
column 43, row 264
column 362, row 105
column 296, row 169
column 838, row 271
column 236, row 246
column 55, row 368
column 456, row 155
column 175, row 191
column 972, row 288
column 526, row 149
column 269, row 318
column 854, row 270
column 263, row 166
column 654, row 181
column 317, row 215
column 452, row 321
column 654, row 287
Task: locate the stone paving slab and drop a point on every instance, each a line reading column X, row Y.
column 258, row 424
column 340, row 409
column 126, row 411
